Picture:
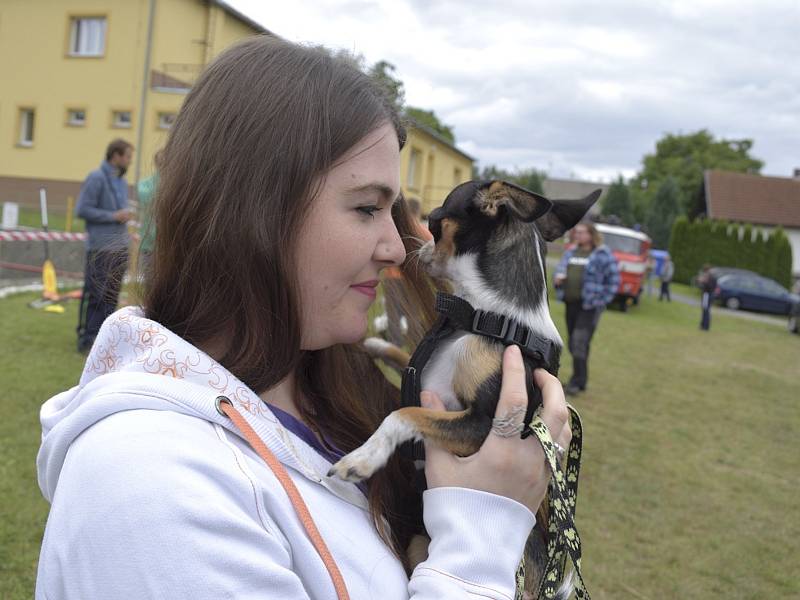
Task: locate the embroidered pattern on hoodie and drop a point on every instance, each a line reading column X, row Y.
column 127, row 337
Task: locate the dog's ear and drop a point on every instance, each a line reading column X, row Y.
column 521, row 203
column 564, row 215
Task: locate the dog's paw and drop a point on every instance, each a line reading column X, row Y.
column 354, row 467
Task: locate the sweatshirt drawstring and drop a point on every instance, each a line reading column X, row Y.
column 225, row 407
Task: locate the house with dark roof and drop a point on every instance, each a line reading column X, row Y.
column 765, row 202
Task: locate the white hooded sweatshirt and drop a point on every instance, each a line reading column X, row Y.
column 156, row 495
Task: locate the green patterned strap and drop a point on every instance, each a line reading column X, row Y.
column 562, row 494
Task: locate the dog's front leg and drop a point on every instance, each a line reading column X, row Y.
column 449, row 429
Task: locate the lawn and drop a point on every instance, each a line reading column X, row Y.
column 57, row 221
column 690, row 477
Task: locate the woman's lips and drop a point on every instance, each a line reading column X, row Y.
column 367, row 288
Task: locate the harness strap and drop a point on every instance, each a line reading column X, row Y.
column 225, row 406
column 457, row 314
column 411, row 382
column 499, row 327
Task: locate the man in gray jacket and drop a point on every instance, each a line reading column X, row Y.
column 103, row 204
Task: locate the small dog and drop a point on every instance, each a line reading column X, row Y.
column 489, row 244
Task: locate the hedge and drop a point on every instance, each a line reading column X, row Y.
column 722, row 244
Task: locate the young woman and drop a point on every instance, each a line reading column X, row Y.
column 278, row 205
column 586, row 280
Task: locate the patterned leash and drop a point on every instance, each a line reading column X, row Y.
column 562, row 537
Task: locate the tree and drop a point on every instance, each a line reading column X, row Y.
column 429, row 119
column 760, row 260
column 618, row 203
column 783, row 257
column 530, row 178
column 383, row 72
column 665, row 210
column 679, row 249
column 744, row 260
column 686, row 157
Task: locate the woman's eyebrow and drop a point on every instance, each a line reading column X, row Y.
column 383, row 190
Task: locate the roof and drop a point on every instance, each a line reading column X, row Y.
column 438, row 136
column 241, row 16
column 756, row 199
column 623, row 231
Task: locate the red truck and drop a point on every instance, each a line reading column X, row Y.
column 631, row 249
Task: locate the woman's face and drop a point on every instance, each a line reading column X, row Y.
column 348, row 237
column 583, row 236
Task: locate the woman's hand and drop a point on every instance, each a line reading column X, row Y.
column 507, row 466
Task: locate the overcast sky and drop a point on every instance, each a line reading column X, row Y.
column 576, row 88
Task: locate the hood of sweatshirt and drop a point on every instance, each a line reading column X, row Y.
column 135, row 364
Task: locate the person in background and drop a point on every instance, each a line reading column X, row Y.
column 586, row 280
column 667, row 271
column 103, row 204
column 707, row 283
column 649, row 273
column 145, row 191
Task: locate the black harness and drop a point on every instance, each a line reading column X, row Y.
column 456, row 314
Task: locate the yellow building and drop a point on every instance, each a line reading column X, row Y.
column 78, row 73
column 430, row 166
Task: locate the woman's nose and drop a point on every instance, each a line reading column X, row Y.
column 390, row 248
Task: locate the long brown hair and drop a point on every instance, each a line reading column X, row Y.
column 597, row 237
column 261, row 126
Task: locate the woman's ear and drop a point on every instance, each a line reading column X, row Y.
column 564, row 215
column 522, row 204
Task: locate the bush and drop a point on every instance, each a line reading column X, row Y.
column 729, row 245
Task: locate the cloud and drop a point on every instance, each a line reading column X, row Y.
column 577, row 87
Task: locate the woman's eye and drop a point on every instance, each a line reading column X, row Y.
column 368, row 210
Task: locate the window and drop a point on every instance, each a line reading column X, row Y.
column 457, row 176
column 166, row 120
column 773, row 288
column 413, row 166
column 121, row 118
column 621, row 243
column 87, row 36
column 76, row 117
column 26, row 120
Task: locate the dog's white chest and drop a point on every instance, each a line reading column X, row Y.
column 437, row 376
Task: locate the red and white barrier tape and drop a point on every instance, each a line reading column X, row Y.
column 32, row 236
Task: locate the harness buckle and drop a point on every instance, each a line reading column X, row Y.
column 504, row 326
column 509, row 329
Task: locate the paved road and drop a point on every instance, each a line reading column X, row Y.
column 694, row 301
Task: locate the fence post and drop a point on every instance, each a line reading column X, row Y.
column 70, row 206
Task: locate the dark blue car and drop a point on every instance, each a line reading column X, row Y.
column 748, row 291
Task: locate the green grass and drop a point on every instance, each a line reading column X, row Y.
column 37, row 360
column 691, row 457
column 56, row 221
column 691, row 453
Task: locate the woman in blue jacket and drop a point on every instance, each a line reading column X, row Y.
column 586, row 279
